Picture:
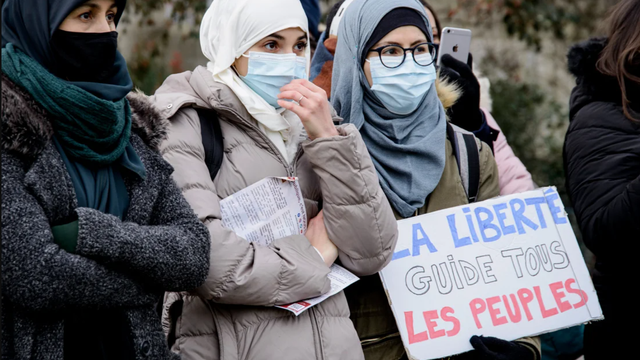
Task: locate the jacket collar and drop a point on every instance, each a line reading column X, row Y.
column 27, row 128
column 591, row 84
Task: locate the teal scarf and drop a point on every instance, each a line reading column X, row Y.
column 90, row 129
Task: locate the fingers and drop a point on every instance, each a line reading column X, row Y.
column 476, row 342
column 303, row 90
column 470, row 61
column 295, row 108
column 291, row 95
column 458, row 66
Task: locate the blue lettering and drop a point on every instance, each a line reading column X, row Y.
column 518, row 216
column 472, row 228
column 423, row 240
column 506, row 229
column 454, row 233
column 486, row 224
column 555, row 210
column 536, row 201
column 400, row 254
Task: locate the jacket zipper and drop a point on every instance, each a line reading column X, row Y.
column 316, row 330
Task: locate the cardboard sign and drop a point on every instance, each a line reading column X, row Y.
column 509, row 267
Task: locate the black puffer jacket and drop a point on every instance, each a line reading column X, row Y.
column 122, row 265
column 602, row 165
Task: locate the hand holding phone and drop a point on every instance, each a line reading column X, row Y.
column 455, row 42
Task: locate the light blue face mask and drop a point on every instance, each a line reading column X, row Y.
column 269, row 72
column 402, row 89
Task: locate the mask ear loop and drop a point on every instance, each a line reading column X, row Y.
column 233, row 67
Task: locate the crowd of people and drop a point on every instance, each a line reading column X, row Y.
column 113, row 244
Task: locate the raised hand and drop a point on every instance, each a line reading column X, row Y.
column 311, row 106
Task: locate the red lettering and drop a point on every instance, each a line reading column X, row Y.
column 444, row 314
column 413, row 338
column 545, row 312
column 477, row 306
column 582, row 294
column 558, row 294
column 495, row 320
column 514, row 316
column 526, row 296
column 429, row 317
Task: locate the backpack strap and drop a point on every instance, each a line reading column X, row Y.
column 211, row 140
column 467, row 153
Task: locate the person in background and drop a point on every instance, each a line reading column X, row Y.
column 94, row 229
column 472, row 112
column 602, row 167
column 273, row 122
column 312, row 10
column 384, row 83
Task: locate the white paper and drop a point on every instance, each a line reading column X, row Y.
column 340, row 279
column 271, row 209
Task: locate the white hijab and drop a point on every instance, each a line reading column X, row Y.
column 229, row 28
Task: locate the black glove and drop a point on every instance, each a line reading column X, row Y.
column 466, row 111
column 491, row 348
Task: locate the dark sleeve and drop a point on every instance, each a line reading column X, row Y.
column 603, row 177
column 171, row 253
column 37, row 274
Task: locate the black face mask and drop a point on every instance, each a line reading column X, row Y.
column 85, row 57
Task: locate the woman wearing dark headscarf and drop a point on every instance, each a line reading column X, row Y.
column 384, row 82
column 94, row 230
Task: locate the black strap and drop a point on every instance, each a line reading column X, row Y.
column 473, row 157
column 211, row 140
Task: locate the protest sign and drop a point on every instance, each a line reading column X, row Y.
column 509, row 267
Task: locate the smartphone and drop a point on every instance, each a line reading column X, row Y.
column 455, row 42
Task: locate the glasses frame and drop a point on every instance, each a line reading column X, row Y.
column 404, row 53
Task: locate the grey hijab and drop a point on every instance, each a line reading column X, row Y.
column 408, row 151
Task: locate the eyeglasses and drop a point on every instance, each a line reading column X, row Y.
column 392, row 56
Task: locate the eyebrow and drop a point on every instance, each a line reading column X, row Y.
column 280, row 37
column 96, row 6
column 398, row 44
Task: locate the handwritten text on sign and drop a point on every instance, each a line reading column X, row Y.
column 508, row 267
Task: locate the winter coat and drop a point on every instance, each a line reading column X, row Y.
column 232, row 317
column 602, row 166
column 368, row 303
column 513, row 175
column 122, row 265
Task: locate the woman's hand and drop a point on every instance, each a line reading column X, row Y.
column 319, row 239
column 312, row 107
column 491, row 348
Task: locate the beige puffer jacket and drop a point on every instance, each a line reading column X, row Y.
column 232, row 317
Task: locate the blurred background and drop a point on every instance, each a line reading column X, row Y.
column 519, row 45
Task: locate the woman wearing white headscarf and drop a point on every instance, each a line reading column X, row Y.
column 259, row 55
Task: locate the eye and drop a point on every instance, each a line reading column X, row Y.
column 301, row 46
column 421, row 49
column 111, row 17
column 271, row 46
column 390, row 51
column 85, row 16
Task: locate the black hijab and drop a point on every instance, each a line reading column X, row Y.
column 29, row 26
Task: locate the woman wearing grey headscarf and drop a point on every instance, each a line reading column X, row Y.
column 385, row 83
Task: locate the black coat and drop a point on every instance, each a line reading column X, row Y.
column 602, row 165
column 123, row 265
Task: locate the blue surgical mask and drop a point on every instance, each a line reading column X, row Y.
column 269, row 72
column 402, row 89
